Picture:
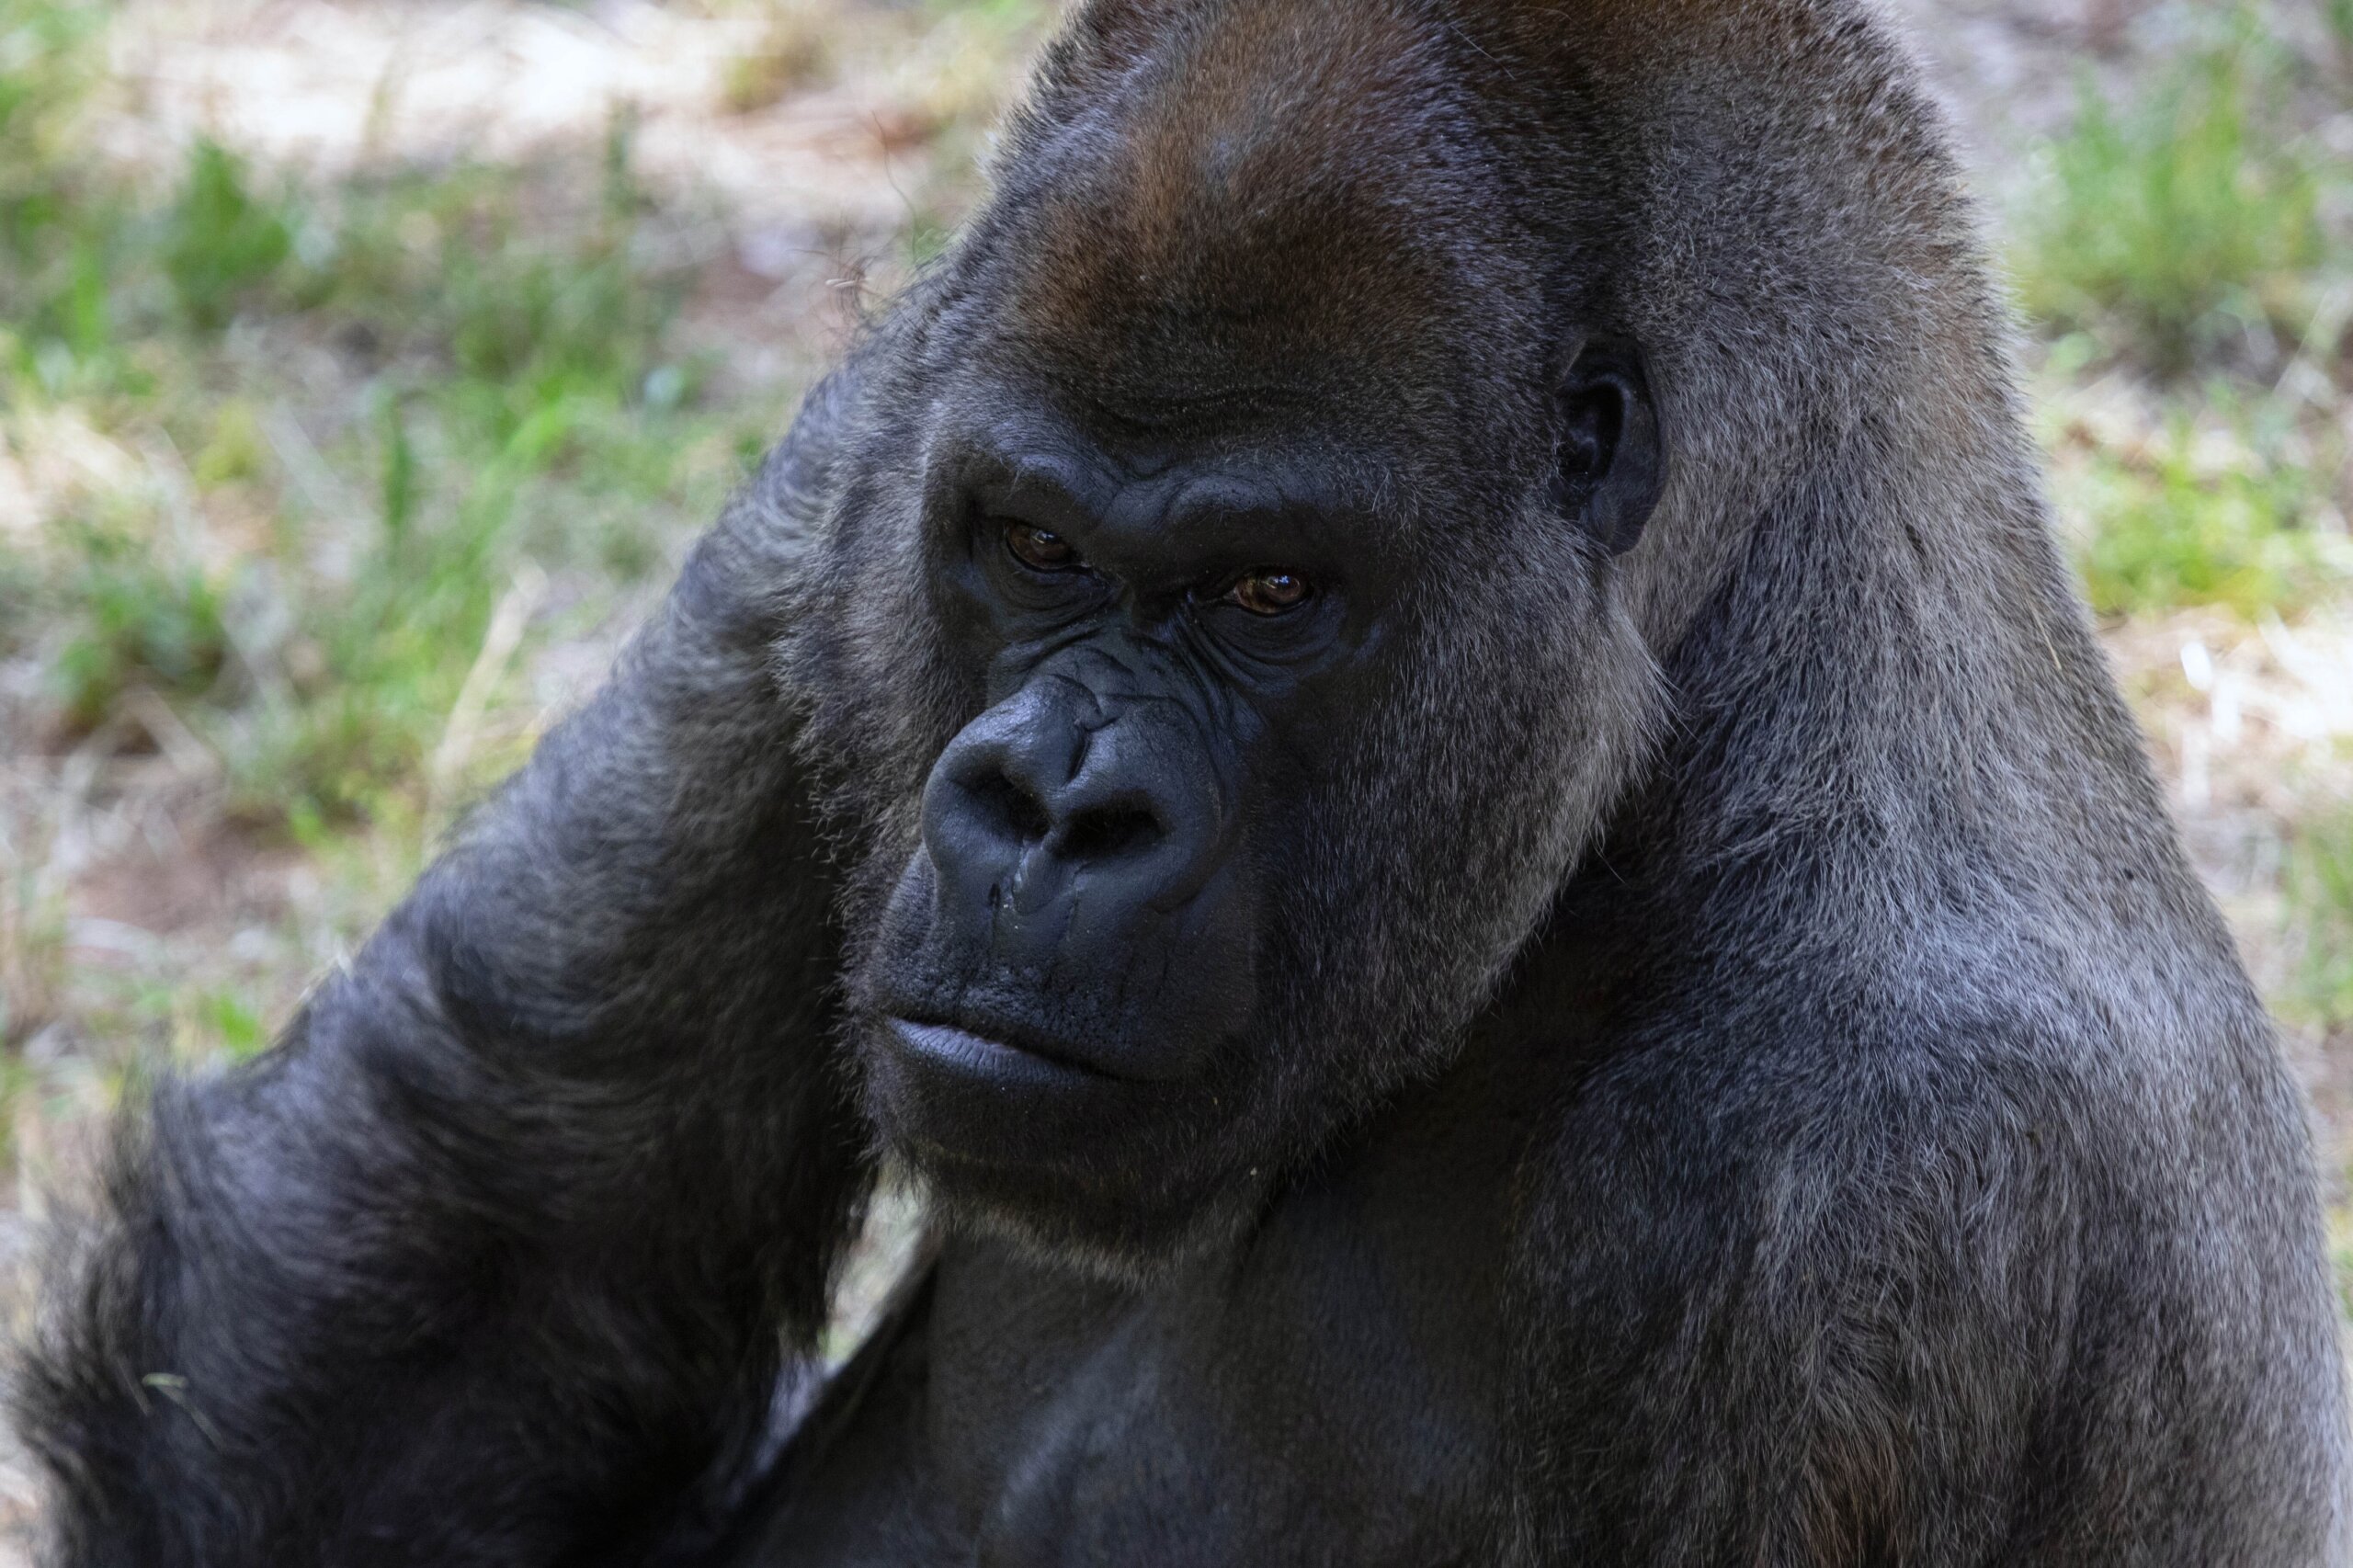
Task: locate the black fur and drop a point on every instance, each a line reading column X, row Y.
column 1654, row 1017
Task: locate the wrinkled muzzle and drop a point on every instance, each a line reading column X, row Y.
column 1077, row 893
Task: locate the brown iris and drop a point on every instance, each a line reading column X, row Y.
column 1040, row 550
column 1270, row 593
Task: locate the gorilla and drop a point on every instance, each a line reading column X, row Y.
column 1412, row 733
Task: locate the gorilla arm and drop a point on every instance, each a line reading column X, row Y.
column 1926, row 1315
column 488, row 1261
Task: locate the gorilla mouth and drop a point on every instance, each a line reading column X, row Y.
column 952, row 1048
column 992, row 1113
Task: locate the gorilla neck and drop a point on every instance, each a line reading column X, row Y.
column 1893, row 690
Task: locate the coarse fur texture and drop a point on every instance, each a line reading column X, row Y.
column 1414, row 732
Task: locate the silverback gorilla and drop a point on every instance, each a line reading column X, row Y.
column 1413, row 731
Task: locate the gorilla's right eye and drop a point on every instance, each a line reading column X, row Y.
column 1040, row 550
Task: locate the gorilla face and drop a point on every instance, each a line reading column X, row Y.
column 1073, row 966
column 1264, row 576
column 1157, row 648
column 1264, row 784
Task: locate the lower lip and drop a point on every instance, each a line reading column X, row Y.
column 971, row 1055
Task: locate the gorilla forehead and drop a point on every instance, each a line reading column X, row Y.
column 1283, row 202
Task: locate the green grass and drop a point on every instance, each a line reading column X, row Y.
column 2185, row 221
column 318, row 434
column 510, row 391
column 2223, row 506
column 2187, row 235
column 2319, row 886
column 135, row 618
column 222, row 243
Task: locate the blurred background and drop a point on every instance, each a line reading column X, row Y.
column 365, row 366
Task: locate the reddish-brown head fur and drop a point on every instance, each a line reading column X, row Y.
column 1219, row 192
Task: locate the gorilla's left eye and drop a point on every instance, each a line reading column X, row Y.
column 1040, row 550
column 1270, row 593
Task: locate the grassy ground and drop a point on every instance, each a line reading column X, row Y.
column 364, row 365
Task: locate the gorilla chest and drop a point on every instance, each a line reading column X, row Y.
column 1330, row 1397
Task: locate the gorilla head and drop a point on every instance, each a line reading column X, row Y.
column 1271, row 484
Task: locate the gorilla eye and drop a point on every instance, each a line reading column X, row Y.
column 1040, row 550
column 1270, row 593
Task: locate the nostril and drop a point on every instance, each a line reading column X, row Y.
column 1010, row 809
column 1107, row 832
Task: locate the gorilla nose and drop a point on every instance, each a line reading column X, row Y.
column 1050, row 807
column 1087, row 903
column 1014, row 804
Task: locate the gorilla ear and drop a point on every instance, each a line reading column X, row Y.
column 1609, row 463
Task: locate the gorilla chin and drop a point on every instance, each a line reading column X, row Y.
column 1118, row 1176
